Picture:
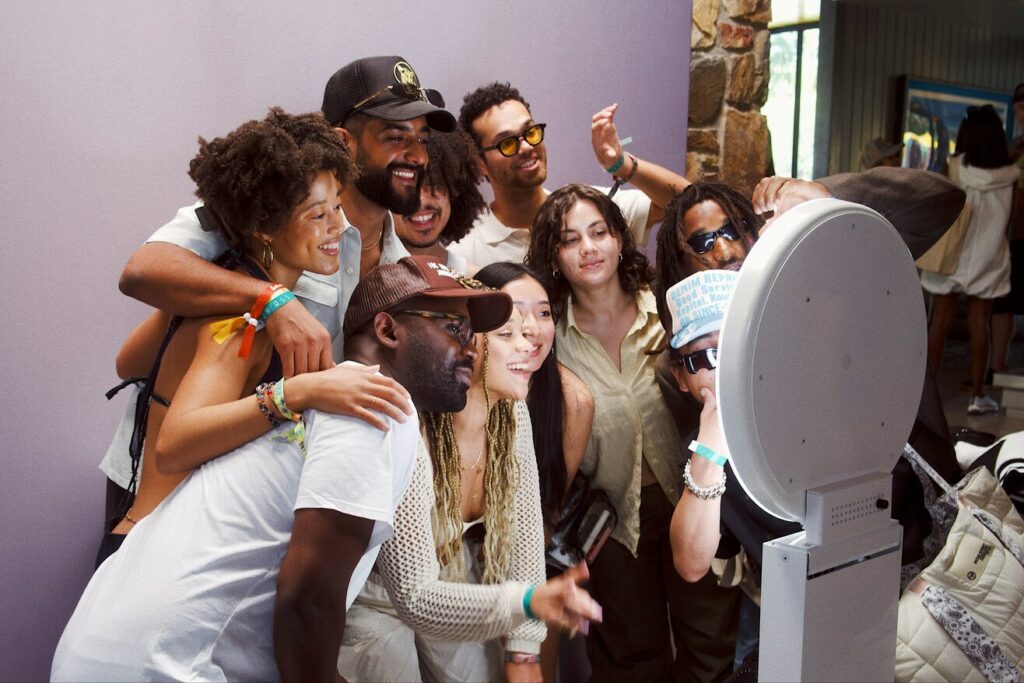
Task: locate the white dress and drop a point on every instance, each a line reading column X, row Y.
column 429, row 629
column 983, row 270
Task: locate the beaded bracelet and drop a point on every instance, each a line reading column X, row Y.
column 264, row 393
column 526, row 603
column 703, row 492
column 708, row 454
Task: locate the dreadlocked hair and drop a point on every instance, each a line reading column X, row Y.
column 501, row 482
column 671, row 260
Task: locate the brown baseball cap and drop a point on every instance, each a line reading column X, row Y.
column 390, row 284
column 386, row 88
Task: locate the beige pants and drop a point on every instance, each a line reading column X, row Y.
column 378, row 646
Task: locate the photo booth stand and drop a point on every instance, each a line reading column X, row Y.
column 822, row 360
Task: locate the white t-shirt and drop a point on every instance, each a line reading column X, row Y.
column 190, row 594
column 491, row 241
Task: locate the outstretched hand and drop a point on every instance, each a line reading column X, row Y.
column 560, row 602
column 780, row 194
column 604, row 137
column 303, row 344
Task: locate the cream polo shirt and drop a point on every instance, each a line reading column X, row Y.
column 491, row 241
column 325, row 296
column 631, row 421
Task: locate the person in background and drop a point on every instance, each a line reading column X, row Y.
column 983, row 167
column 880, row 152
column 450, row 201
column 515, row 163
column 1006, row 307
column 656, row 626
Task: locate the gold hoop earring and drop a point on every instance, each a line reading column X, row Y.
column 267, row 256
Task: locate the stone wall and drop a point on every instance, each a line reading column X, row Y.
column 727, row 139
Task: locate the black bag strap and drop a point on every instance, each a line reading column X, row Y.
column 230, row 260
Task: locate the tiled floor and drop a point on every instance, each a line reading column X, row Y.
column 954, row 370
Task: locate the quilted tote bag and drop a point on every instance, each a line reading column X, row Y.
column 962, row 617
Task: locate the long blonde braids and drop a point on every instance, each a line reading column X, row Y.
column 501, row 482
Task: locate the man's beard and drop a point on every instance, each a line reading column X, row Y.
column 376, row 185
column 436, row 388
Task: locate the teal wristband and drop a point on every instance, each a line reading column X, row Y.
column 276, row 303
column 708, row 454
column 526, row 603
column 617, row 165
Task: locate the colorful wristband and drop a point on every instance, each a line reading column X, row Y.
column 253, row 319
column 282, row 297
column 617, row 165
column 708, row 454
column 297, row 433
column 526, row 603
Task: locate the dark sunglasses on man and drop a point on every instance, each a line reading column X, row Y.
column 703, row 242
column 705, row 359
column 509, row 147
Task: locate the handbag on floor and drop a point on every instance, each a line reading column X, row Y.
column 960, row 618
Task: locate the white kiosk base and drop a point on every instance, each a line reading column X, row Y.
column 829, row 594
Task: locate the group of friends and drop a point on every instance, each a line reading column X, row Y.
column 365, row 391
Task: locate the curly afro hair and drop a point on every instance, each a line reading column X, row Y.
column 483, row 98
column 255, row 176
column 453, row 169
column 546, row 239
column 672, row 265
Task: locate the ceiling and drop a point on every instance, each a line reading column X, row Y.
column 1005, row 17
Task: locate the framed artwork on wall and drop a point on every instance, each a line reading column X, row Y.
column 932, row 112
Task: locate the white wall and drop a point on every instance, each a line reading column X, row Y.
column 100, row 106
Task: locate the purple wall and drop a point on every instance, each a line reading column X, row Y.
column 100, row 107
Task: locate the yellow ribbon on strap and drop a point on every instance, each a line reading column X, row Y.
column 223, row 329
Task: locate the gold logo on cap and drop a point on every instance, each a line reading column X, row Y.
column 405, row 75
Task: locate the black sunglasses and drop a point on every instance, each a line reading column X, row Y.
column 509, row 147
column 703, row 242
column 705, row 359
column 458, row 326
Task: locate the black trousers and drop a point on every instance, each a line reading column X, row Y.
column 648, row 608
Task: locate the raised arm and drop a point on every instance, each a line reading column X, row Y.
column 921, row 205
column 309, row 609
column 176, row 280
column 696, row 523
column 657, row 182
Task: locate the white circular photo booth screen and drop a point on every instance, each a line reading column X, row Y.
column 822, row 354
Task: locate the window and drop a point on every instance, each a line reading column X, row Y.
column 793, row 85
